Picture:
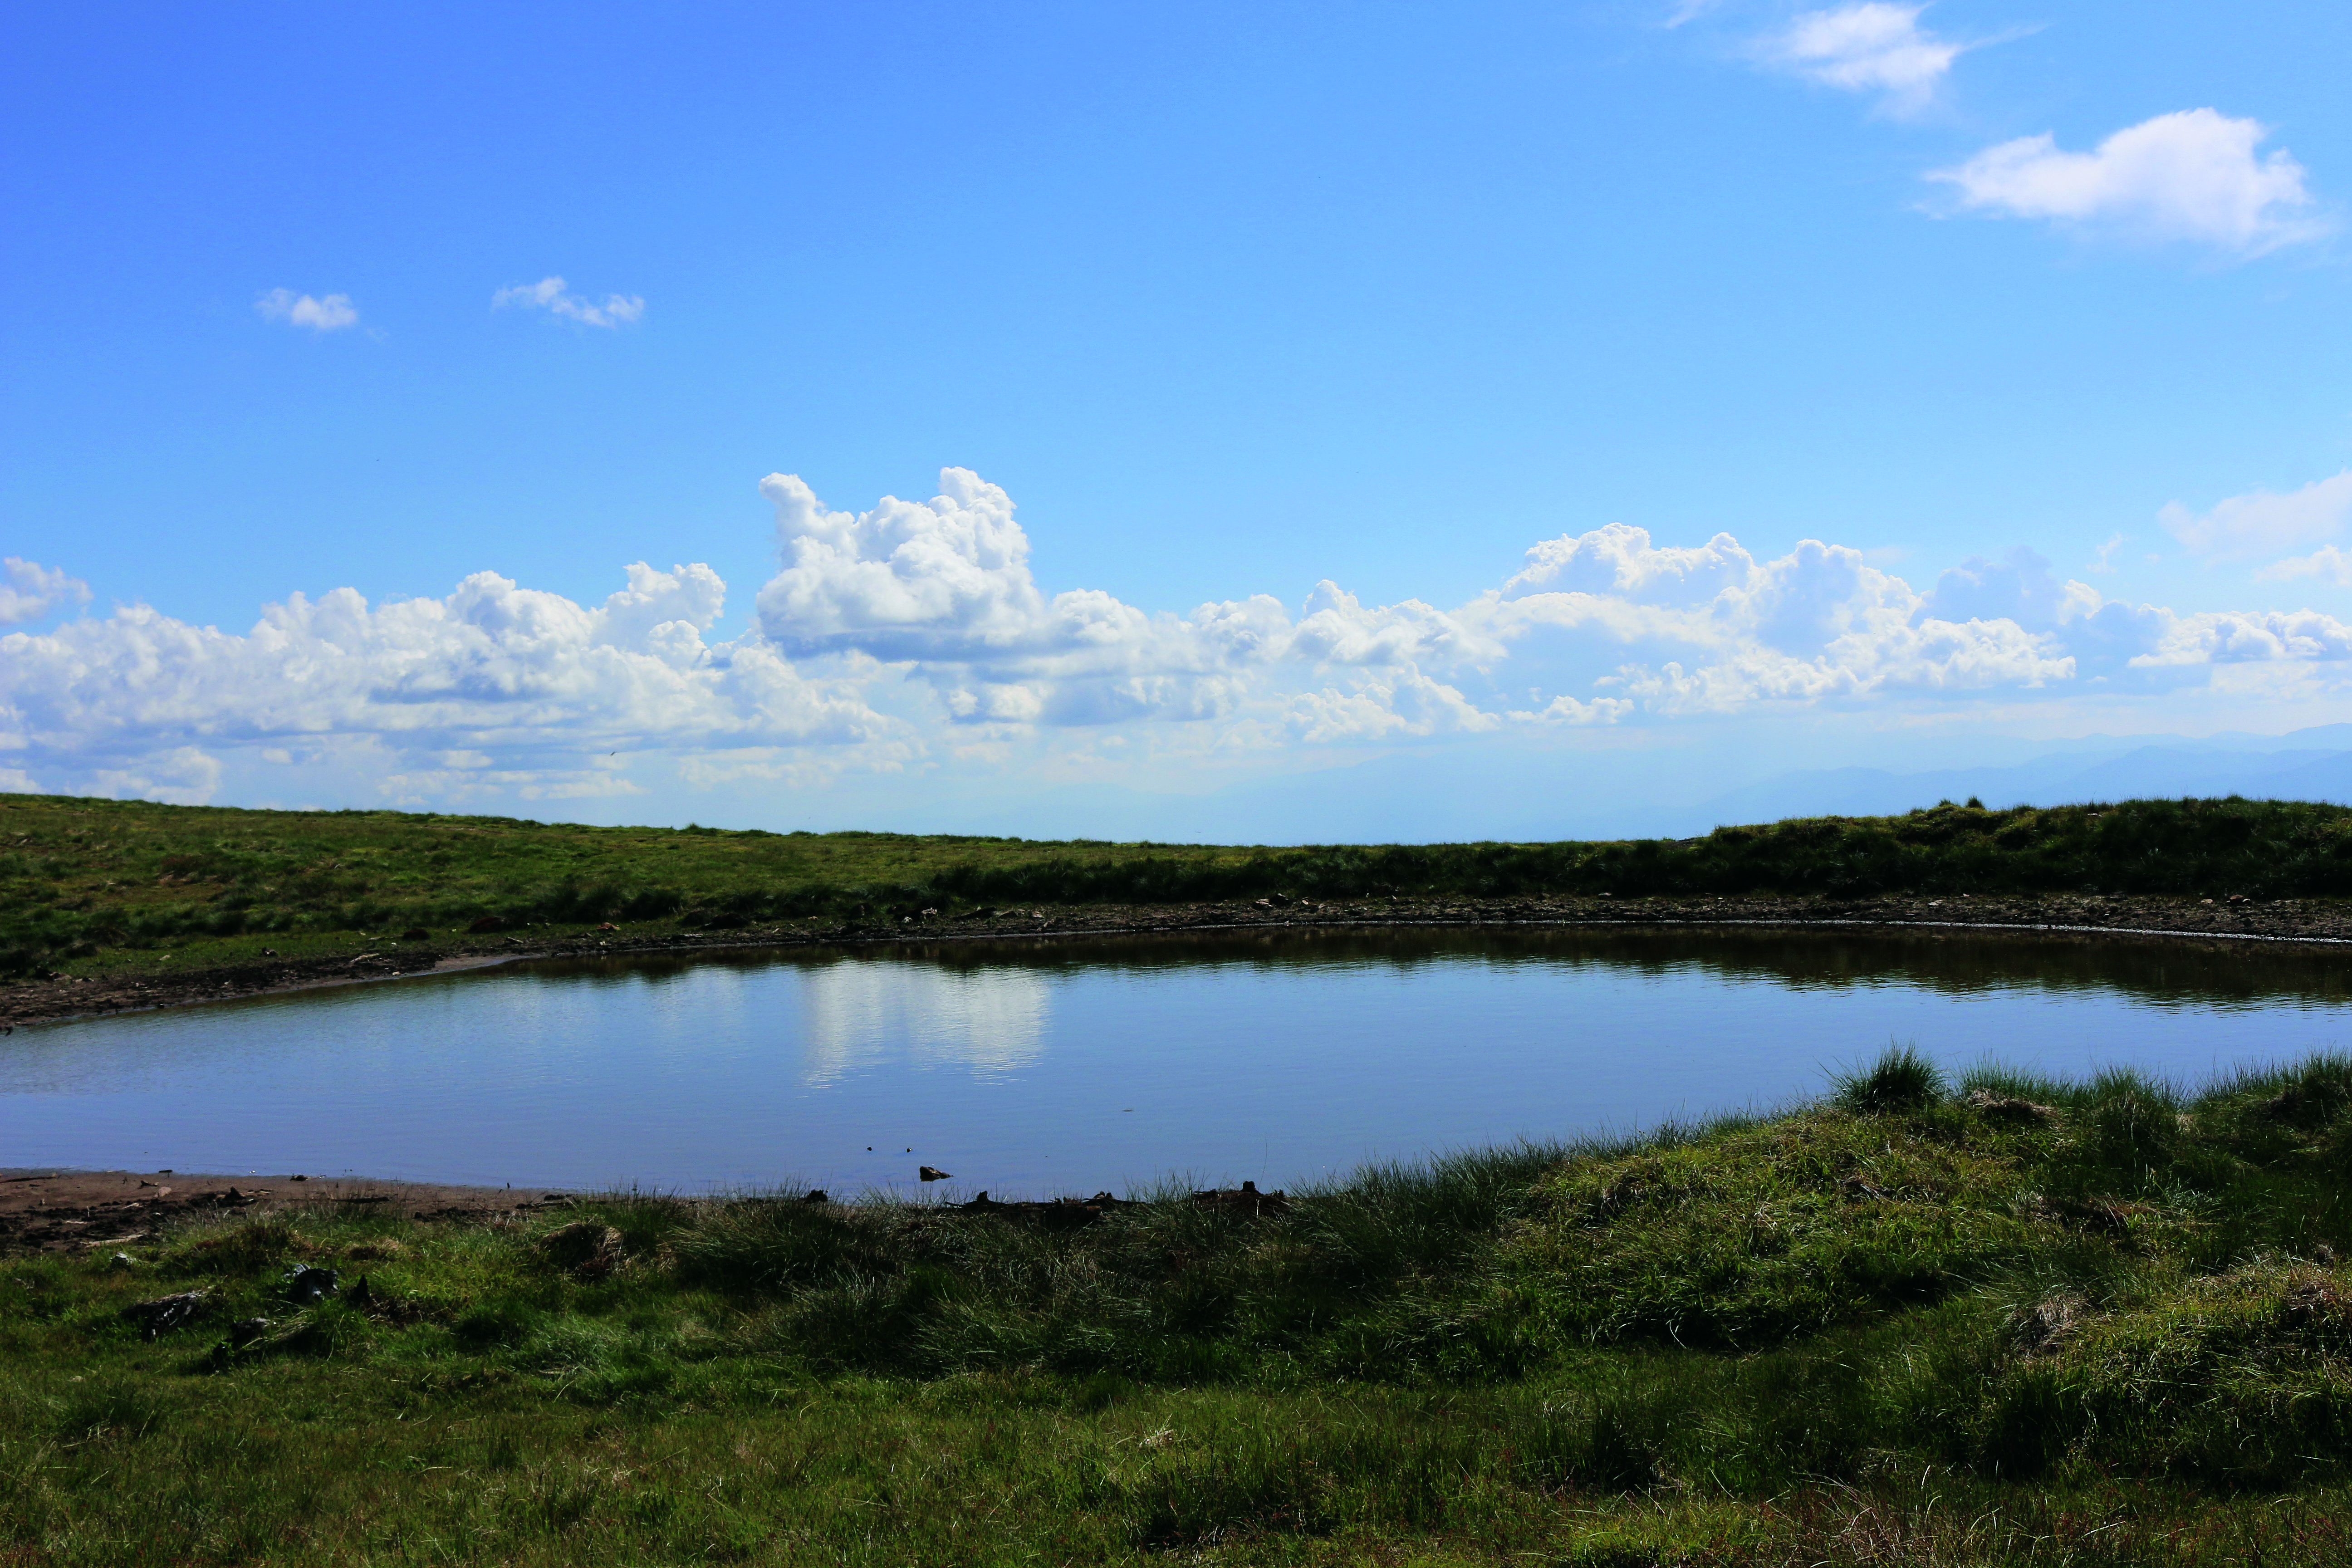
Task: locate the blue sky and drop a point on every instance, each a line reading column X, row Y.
column 1212, row 305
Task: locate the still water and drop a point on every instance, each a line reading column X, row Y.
column 1029, row 1068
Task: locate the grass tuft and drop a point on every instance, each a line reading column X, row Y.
column 1901, row 1079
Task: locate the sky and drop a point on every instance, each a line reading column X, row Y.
column 1058, row 419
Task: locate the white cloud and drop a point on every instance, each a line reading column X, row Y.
column 2238, row 637
column 526, row 677
column 330, row 314
column 29, row 591
column 1869, row 48
column 183, row 775
column 2328, row 564
column 915, row 635
column 548, row 294
column 2192, row 176
column 2261, row 522
column 1713, row 628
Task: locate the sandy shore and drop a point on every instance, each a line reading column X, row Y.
column 2312, row 920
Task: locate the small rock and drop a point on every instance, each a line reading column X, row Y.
column 930, row 1173
column 307, row 1285
column 165, row 1313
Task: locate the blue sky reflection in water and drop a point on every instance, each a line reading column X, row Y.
column 1070, row 1067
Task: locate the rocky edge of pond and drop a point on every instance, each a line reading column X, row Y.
column 2224, row 915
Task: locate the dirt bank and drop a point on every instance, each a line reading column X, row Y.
column 79, row 1212
column 2222, row 917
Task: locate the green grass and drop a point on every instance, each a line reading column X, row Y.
column 2004, row 1320
column 87, row 885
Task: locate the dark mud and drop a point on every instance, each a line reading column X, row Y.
column 80, row 1212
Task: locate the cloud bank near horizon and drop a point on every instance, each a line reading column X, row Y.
column 916, row 636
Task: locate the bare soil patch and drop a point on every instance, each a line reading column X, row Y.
column 82, row 1212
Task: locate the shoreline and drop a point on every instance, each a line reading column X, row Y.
column 2317, row 923
column 62, row 1211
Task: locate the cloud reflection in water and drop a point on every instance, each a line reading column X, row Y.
column 858, row 1013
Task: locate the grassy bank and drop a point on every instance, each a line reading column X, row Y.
column 84, row 880
column 2006, row 1321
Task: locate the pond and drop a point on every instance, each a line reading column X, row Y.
column 1039, row 1068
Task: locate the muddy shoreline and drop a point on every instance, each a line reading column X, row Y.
column 2318, row 922
column 80, row 1212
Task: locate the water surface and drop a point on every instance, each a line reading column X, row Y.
column 1071, row 1065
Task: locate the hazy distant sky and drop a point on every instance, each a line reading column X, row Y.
column 1265, row 387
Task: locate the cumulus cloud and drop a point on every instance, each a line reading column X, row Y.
column 330, row 314
column 30, row 591
column 944, row 586
column 494, row 669
column 1722, row 630
column 2194, row 176
column 2261, row 523
column 2328, row 564
column 551, row 295
column 1870, row 47
column 914, row 633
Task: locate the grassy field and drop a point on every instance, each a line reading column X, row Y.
column 83, row 883
column 2000, row 1322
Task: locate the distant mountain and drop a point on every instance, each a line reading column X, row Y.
column 1530, row 792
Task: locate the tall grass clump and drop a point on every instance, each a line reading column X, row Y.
column 1900, row 1080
